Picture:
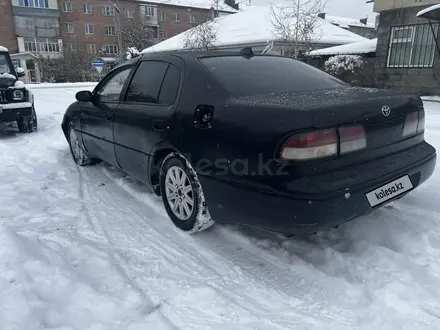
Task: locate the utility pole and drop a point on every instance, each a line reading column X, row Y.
column 117, row 23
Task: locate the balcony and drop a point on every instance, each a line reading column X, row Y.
column 35, row 12
column 148, row 15
column 48, row 47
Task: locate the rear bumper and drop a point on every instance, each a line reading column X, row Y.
column 10, row 112
column 308, row 213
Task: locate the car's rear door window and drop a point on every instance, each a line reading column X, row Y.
column 170, row 86
column 267, row 74
column 146, row 82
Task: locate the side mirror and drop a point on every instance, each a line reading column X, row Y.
column 20, row 72
column 84, row 96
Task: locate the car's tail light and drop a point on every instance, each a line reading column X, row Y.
column 411, row 124
column 311, row 145
column 352, row 138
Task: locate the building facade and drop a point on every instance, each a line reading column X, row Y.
column 406, row 54
column 7, row 31
column 99, row 28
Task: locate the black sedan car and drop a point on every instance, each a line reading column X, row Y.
column 257, row 140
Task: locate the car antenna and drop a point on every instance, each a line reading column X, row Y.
column 247, row 52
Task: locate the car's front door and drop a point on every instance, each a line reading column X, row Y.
column 97, row 115
column 143, row 118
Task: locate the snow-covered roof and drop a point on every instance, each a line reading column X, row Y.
column 254, row 26
column 361, row 47
column 432, row 12
column 203, row 4
column 3, row 49
column 346, row 22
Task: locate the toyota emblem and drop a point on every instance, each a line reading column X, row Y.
column 386, row 110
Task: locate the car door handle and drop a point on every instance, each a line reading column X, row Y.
column 159, row 125
column 109, row 117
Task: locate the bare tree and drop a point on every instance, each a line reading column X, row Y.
column 137, row 34
column 202, row 36
column 297, row 24
column 72, row 66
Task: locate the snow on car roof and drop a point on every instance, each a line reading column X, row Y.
column 194, row 4
column 431, row 12
column 241, row 29
column 361, row 47
column 346, row 22
column 3, row 49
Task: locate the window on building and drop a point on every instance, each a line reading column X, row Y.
column 146, row 82
column 70, row 28
column 111, row 49
column 34, row 3
column 162, row 34
column 177, row 17
column 412, row 46
column 91, row 49
column 110, row 30
column 67, row 6
column 128, row 13
column 162, row 16
column 192, row 19
column 41, row 45
column 87, row 9
column 29, row 23
column 69, row 47
column 149, row 11
column 107, row 11
column 90, row 29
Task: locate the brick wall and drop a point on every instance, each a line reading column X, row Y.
column 420, row 80
column 171, row 26
column 79, row 19
column 8, row 38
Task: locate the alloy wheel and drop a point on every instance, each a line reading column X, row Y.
column 179, row 193
column 76, row 149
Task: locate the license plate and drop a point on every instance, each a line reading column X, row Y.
column 389, row 191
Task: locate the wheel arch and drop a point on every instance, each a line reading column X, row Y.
column 159, row 153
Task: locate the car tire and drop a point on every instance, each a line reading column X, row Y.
column 76, row 148
column 180, row 188
column 28, row 124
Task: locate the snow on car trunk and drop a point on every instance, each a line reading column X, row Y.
column 90, row 248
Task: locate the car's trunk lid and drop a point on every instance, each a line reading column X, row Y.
column 330, row 107
column 382, row 113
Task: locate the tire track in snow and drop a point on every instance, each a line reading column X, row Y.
column 231, row 253
column 346, row 310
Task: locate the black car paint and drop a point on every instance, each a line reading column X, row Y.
column 6, row 82
column 246, row 132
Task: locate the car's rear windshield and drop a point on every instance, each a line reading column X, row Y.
column 267, row 74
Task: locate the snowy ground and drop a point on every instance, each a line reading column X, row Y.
column 91, row 248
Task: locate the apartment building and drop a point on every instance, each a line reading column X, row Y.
column 30, row 27
column 7, row 30
column 34, row 28
column 91, row 25
column 406, row 55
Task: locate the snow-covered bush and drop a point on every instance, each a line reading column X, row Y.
column 344, row 67
column 132, row 52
